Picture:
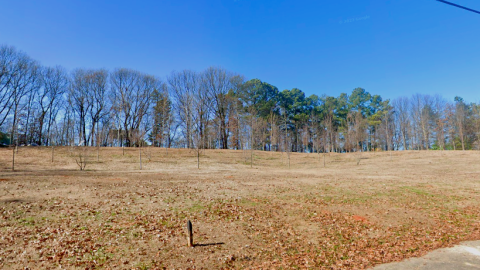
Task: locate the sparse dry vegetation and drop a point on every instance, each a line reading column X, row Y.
column 81, row 155
column 347, row 215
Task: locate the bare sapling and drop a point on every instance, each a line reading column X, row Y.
column 198, row 143
column 80, row 155
column 288, row 154
column 324, row 150
column 244, row 153
column 358, row 157
column 251, row 157
column 53, row 146
column 324, row 158
column 287, row 150
column 254, row 124
column 197, row 148
column 318, row 153
column 140, row 155
column 251, row 145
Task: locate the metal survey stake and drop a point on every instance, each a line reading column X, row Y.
column 190, row 234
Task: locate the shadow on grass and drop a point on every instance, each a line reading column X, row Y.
column 209, row 244
column 13, row 200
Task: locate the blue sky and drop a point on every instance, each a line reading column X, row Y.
column 389, row 47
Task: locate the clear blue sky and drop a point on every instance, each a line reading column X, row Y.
column 388, row 47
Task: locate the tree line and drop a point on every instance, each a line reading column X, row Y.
column 215, row 108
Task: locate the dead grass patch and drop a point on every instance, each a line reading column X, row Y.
column 343, row 216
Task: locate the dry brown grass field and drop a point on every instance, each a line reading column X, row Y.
column 115, row 216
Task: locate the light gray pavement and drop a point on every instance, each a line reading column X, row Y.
column 465, row 255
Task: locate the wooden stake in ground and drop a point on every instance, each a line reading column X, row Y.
column 140, row 155
column 324, row 158
column 13, row 159
column 98, row 146
column 189, row 234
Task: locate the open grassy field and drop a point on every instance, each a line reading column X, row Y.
column 115, row 216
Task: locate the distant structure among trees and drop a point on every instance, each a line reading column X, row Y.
column 216, row 108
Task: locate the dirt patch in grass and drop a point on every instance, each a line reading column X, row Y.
column 343, row 216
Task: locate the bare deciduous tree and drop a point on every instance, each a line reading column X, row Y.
column 184, row 86
column 8, row 58
column 402, row 120
column 218, row 83
column 131, row 99
column 25, row 80
column 98, row 90
column 80, row 101
column 49, row 98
